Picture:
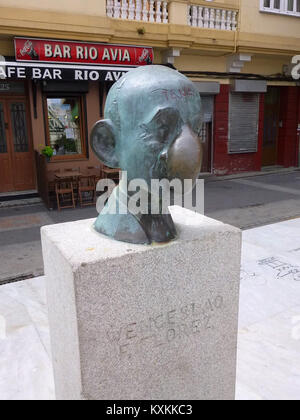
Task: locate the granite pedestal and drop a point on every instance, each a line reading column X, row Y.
column 144, row 322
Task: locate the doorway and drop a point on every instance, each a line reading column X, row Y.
column 207, row 145
column 16, row 148
column 206, row 135
column 271, row 127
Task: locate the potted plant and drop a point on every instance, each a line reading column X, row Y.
column 48, row 152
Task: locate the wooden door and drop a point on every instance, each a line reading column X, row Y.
column 271, row 126
column 16, row 149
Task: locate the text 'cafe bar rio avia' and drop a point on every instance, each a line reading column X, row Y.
column 51, row 93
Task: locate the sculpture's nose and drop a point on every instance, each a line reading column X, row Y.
column 184, row 157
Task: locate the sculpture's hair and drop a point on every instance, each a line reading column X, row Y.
column 112, row 104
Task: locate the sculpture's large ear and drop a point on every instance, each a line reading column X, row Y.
column 103, row 142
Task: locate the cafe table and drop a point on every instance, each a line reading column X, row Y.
column 68, row 174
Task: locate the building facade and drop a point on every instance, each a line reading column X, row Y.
column 59, row 59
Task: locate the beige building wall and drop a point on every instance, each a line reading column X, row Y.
column 256, row 22
column 6, row 47
column 266, row 65
column 86, row 7
column 200, row 63
column 251, row 19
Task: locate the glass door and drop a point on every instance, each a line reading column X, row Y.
column 16, row 149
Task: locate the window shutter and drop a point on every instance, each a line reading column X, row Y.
column 243, row 122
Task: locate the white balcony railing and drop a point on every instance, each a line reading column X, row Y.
column 144, row 10
column 212, row 18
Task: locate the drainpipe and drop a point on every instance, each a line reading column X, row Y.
column 237, row 32
column 298, row 147
column 298, row 129
column 298, row 136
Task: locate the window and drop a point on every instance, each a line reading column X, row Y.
column 66, row 126
column 285, row 7
column 272, row 4
column 243, row 122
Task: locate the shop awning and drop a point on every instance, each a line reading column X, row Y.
column 10, row 69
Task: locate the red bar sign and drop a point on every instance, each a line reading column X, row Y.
column 52, row 51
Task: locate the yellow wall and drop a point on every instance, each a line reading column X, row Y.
column 86, row 7
column 86, row 20
column 254, row 21
column 6, row 47
column 262, row 65
column 251, row 19
column 200, row 63
column 262, row 35
column 266, row 65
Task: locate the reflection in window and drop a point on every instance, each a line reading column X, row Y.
column 275, row 4
column 64, row 119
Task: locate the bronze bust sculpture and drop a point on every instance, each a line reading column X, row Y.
column 151, row 130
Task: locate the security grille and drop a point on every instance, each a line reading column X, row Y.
column 243, row 122
column 18, row 119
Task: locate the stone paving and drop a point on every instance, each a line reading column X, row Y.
column 268, row 366
column 20, row 245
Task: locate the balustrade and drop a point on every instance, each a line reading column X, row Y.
column 144, row 10
column 212, row 18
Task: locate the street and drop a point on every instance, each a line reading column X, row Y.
column 242, row 202
column 254, row 201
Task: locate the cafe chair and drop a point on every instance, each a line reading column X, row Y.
column 87, row 190
column 111, row 174
column 95, row 171
column 70, row 170
column 74, row 174
column 65, row 194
